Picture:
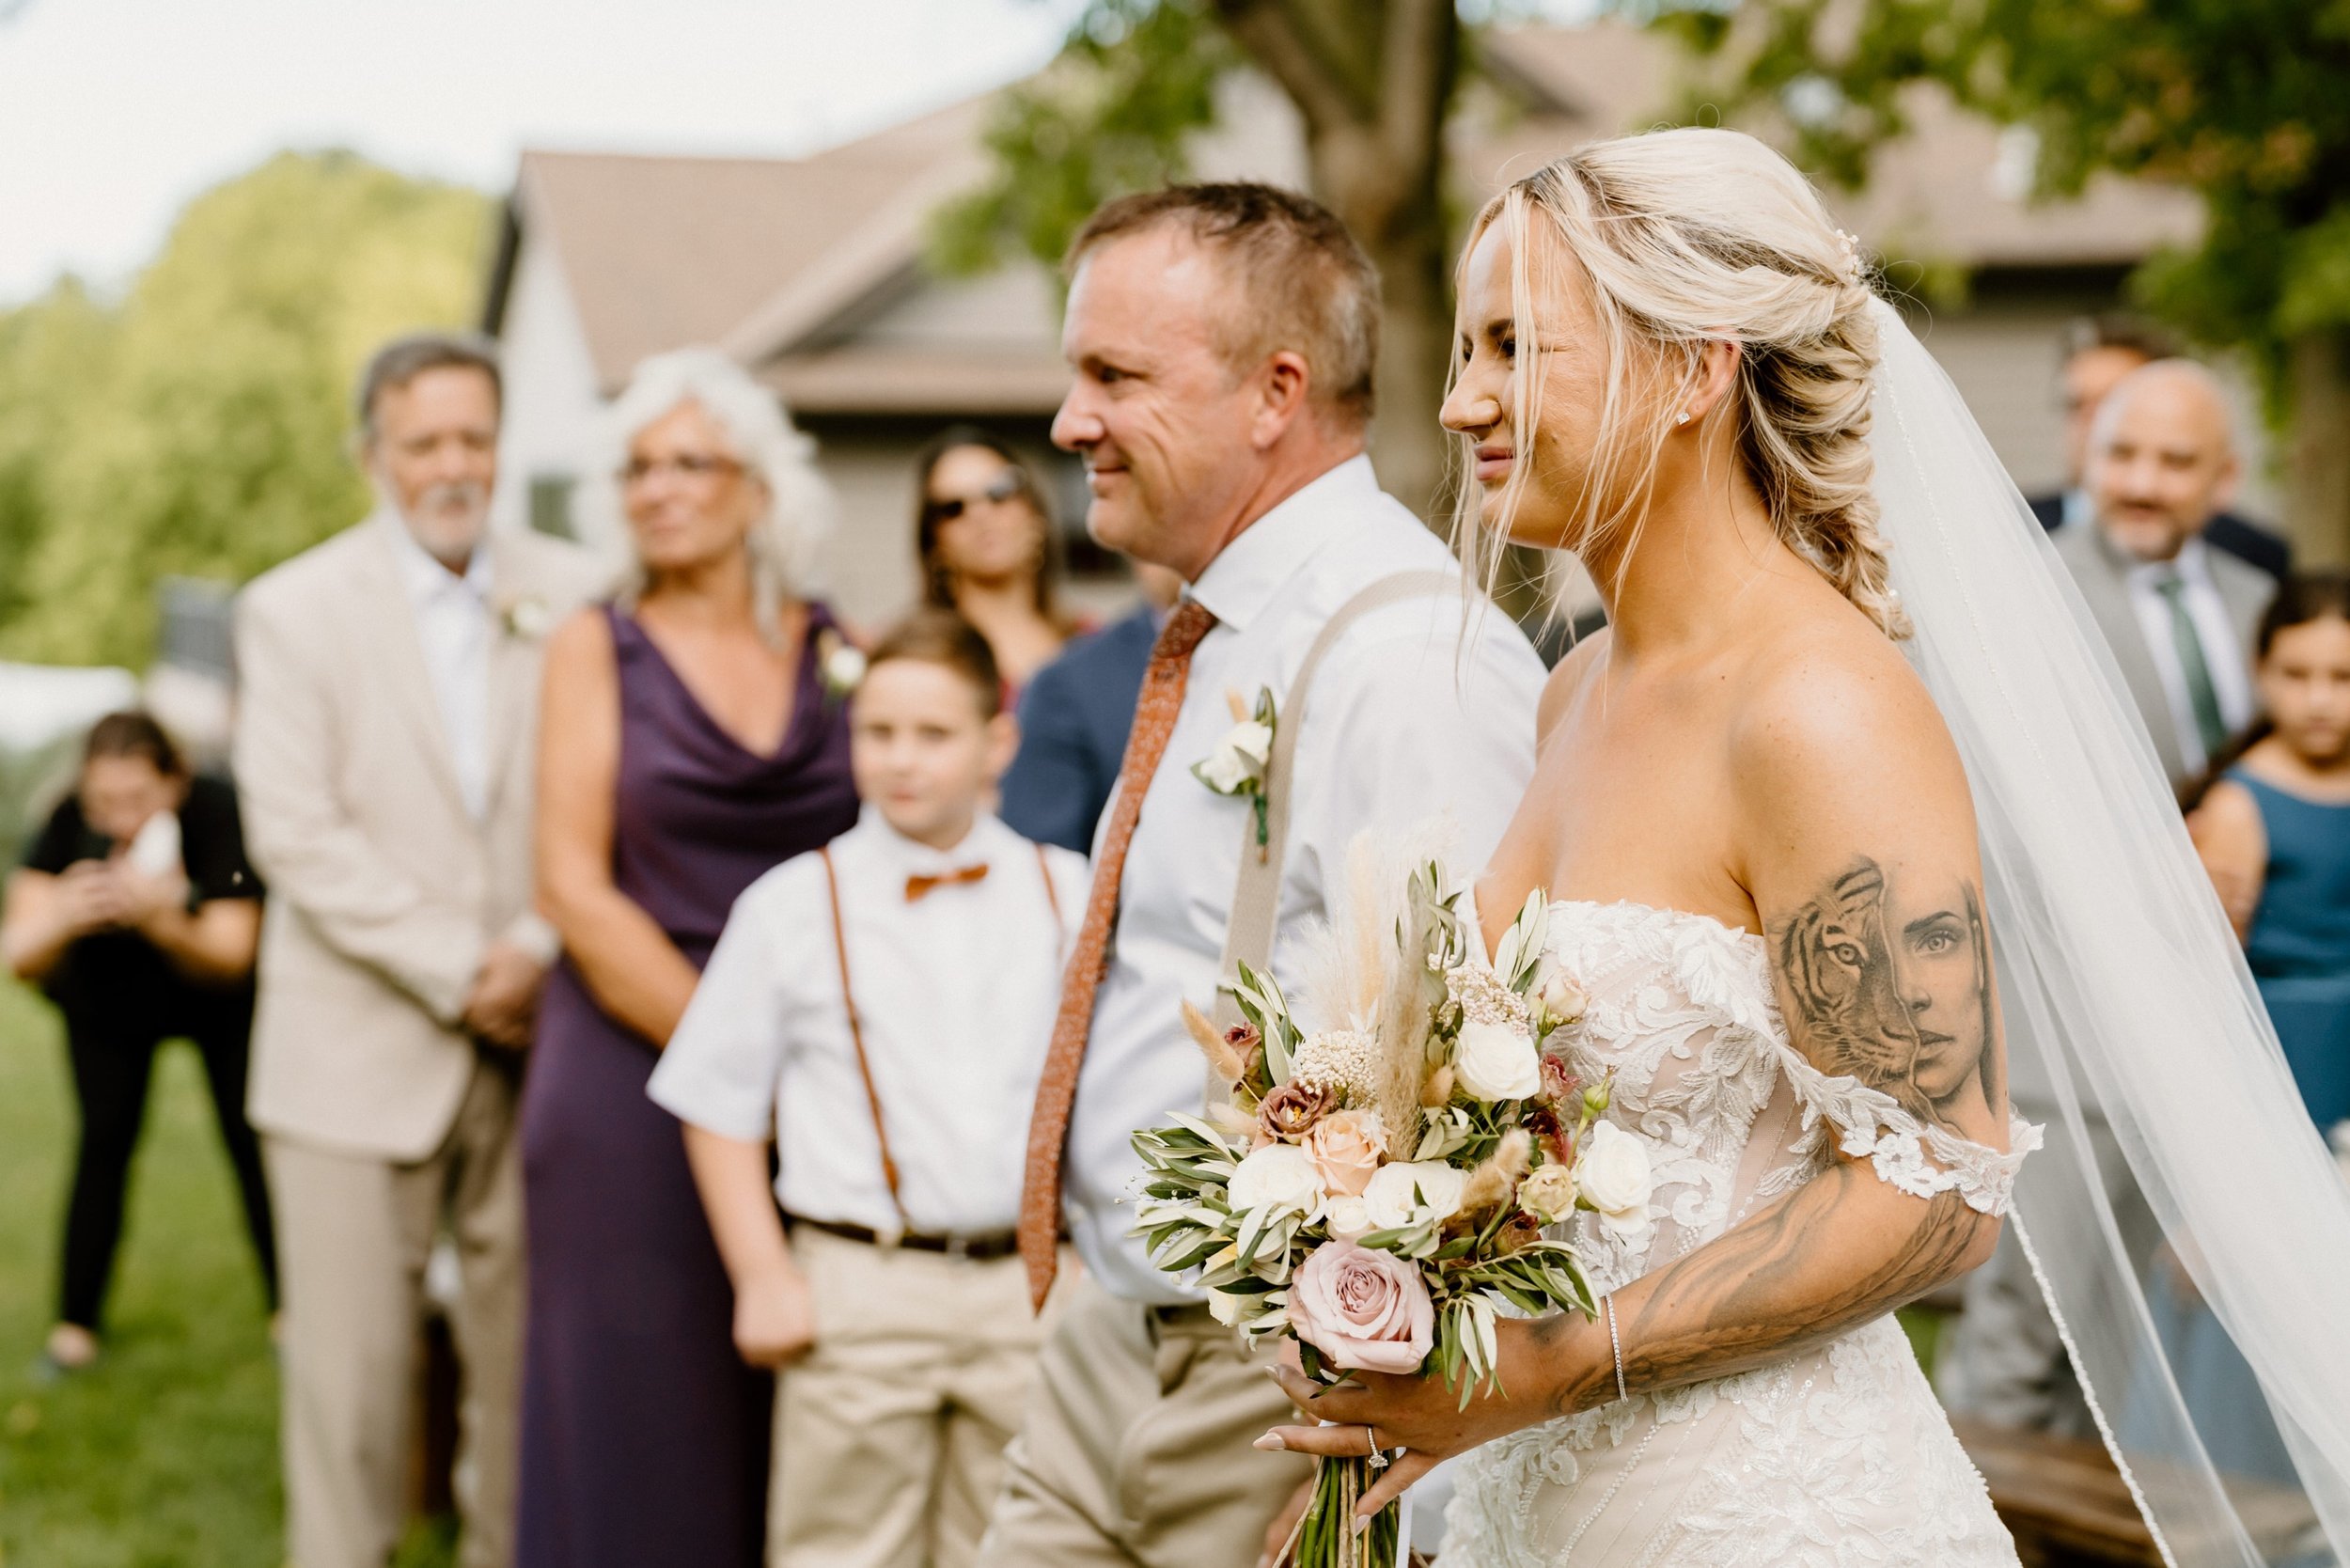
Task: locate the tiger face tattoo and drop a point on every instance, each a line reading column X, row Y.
column 1890, row 982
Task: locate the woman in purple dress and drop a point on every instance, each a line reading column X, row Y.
column 689, row 742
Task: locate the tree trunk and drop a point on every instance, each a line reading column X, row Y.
column 1373, row 81
column 2318, row 469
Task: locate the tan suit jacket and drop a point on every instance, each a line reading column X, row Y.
column 383, row 889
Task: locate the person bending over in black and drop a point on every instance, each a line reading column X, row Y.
column 136, row 911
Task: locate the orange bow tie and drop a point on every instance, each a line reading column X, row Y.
column 920, row 887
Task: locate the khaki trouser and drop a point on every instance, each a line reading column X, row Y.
column 353, row 1232
column 1136, row 1449
column 889, row 1436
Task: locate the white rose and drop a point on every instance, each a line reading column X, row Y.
column 1279, row 1176
column 1238, row 758
column 1413, row 1193
column 844, row 671
column 1561, row 997
column 1252, row 740
column 1230, row 1306
column 529, row 618
column 1348, row 1217
column 1494, row 1062
column 1612, row 1173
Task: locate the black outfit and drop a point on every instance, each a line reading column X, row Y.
column 1074, row 719
column 2227, row 533
column 121, row 998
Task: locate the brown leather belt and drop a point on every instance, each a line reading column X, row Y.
column 980, row 1248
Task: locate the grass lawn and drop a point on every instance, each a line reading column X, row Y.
column 165, row 1454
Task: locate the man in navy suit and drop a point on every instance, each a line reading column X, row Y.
column 2100, row 351
column 1074, row 719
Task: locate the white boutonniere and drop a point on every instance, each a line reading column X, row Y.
column 839, row 663
column 527, row 617
column 1237, row 765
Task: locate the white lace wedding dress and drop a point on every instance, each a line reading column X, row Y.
column 1839, row 1456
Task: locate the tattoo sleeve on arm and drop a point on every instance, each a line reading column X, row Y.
column 1888, row 981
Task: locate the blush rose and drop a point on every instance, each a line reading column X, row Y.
column 1362, row 1307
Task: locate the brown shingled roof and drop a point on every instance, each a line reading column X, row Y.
column 665, row 251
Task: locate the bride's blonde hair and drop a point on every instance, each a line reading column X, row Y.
column 1684, row 237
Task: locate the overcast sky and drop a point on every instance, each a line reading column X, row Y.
column 113, row 113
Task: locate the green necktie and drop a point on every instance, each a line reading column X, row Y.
column 2201, row 694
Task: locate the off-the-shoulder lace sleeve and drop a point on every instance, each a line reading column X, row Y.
column 1920, row 1158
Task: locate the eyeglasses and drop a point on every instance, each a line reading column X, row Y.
column 1002, row 488
column 698, row 466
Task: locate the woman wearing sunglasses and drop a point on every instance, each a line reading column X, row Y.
column 984, row 532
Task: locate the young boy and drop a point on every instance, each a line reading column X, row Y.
column 880, row 1010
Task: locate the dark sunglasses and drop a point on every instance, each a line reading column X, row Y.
column 1002, row 488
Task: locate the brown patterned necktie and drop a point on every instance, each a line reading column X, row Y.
column 1162, row 700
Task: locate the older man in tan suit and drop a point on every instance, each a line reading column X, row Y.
column 383, row 748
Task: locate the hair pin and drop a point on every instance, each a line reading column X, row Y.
column 1849, row 244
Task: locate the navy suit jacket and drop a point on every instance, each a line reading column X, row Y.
column 2228, row 534
column 1073, row 720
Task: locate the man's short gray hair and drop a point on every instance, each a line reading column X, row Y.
column 403, row 359
column 1304, row 282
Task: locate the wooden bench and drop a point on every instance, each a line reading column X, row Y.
column 2065, row 1503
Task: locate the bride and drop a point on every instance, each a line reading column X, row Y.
column 1783, row 810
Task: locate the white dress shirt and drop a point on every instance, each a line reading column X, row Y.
column 2223, row 653
column 1416, row 713
column 456, row 627
column 956, row 993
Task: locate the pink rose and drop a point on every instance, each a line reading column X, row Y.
column 1362, row 1307
column 1346, row 1147
column 1248, row 1043
column 1558, row 1085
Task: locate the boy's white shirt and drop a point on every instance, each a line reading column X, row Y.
column 956, row 992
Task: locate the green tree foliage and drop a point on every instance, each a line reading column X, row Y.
column 2244, row 101
column 200, row 427
column 1135, row 80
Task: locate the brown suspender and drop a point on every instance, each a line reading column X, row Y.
column 857, row 1027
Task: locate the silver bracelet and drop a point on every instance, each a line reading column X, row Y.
column 1616, row 1345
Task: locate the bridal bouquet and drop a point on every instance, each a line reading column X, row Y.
column 1376, row 1188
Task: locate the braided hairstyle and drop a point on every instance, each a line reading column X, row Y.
column 1689, row 237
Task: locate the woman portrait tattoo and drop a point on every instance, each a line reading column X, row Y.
column 1889, row 982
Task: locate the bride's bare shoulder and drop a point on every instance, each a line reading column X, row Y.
column 1831, row 713
column 1558, row 692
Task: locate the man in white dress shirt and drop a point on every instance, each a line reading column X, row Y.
column 878, row 1012
column 387, row 719
column 2178, row 615
column 1223, row 339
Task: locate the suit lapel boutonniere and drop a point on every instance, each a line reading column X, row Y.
column 526, row 617
column 1237, row 765
column 840, row 664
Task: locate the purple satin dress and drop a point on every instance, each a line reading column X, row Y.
column 644, row 1438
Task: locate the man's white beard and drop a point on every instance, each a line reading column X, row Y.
column 450, row 540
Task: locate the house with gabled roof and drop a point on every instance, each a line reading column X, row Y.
column 811, row 272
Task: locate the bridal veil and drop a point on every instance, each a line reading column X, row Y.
column 2127, row 1003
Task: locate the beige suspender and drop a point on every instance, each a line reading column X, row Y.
column 856, row 1027
column 1257, row 896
